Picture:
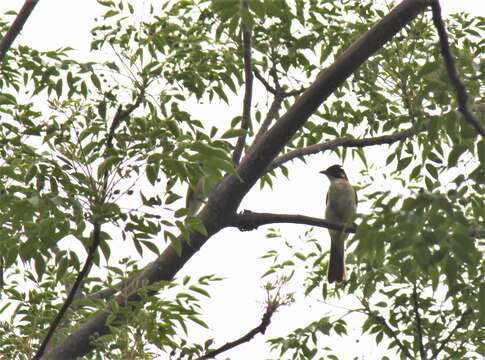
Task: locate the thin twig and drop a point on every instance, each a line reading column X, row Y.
column 270, row 116
column 248, row 91
column 16, row 27
column 387, row 328
column 276, row 90
column 261, row 328
column 347, row 141
column 445, row 341
column 121, row 115
column 419, row 328
column 393, row 334
column 460, row 89
column 279, row 96
column 266, row 84
column 95, row 240
column 118, row 118
column 249, row 220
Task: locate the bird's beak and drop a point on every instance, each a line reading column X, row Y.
column 323, row 172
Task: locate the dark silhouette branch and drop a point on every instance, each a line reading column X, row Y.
column 228, row 194
column 388, row 330
column 277, row 90
column 419, row 327
column 122, row 114
column 248, row 92
column 392, row 333
column 95, row 240
column 265, row 83
column 274, row 299
column 446, row 340
column 347, row 141
column 248, row 220
column 270, row 116
column 261, row 328
column 16, row 27
column 460, row 89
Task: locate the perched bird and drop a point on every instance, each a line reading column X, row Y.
column 341, row 207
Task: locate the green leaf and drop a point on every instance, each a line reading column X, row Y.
column 174, row 241
column 199, row 290
column 209, row 150
column 196, row 224
column 152, row 173
column 95, row 80
column 234, row 133
column 403, row 163
column 455, row 154
column 107, row 164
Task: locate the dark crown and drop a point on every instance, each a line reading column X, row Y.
column 336, row 171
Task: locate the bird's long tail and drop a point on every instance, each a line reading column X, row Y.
column 336, row 265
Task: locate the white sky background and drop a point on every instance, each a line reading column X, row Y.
column 236, row 304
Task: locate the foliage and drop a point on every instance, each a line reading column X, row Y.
column 416, row 261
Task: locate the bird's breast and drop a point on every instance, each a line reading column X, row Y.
column 341, row 204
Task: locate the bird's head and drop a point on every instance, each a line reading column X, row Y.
column 335, row 172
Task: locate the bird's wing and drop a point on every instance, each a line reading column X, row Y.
column 356, row 199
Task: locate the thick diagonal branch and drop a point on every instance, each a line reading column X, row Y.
column 460, row 89
column 228, row 194
column 248, row 220
column 248, row 89
column 342, row 142
column 16, row 27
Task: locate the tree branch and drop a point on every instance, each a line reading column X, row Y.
column 248, row 220
column 248, row 92
column 277, row 90
column 16, row 27
column 228, row 194
column 445, row 341
column 265, row 83
column 419, row 328
column 120, row 116
column 460, row 89
column 393, row 334
column 95, row 240
column 261, row 328
column 270, row 116
column 387, row 328
column 347, row 141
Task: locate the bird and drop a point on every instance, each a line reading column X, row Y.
column 341, row 206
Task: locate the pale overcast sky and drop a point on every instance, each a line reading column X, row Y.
column 236, row 304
